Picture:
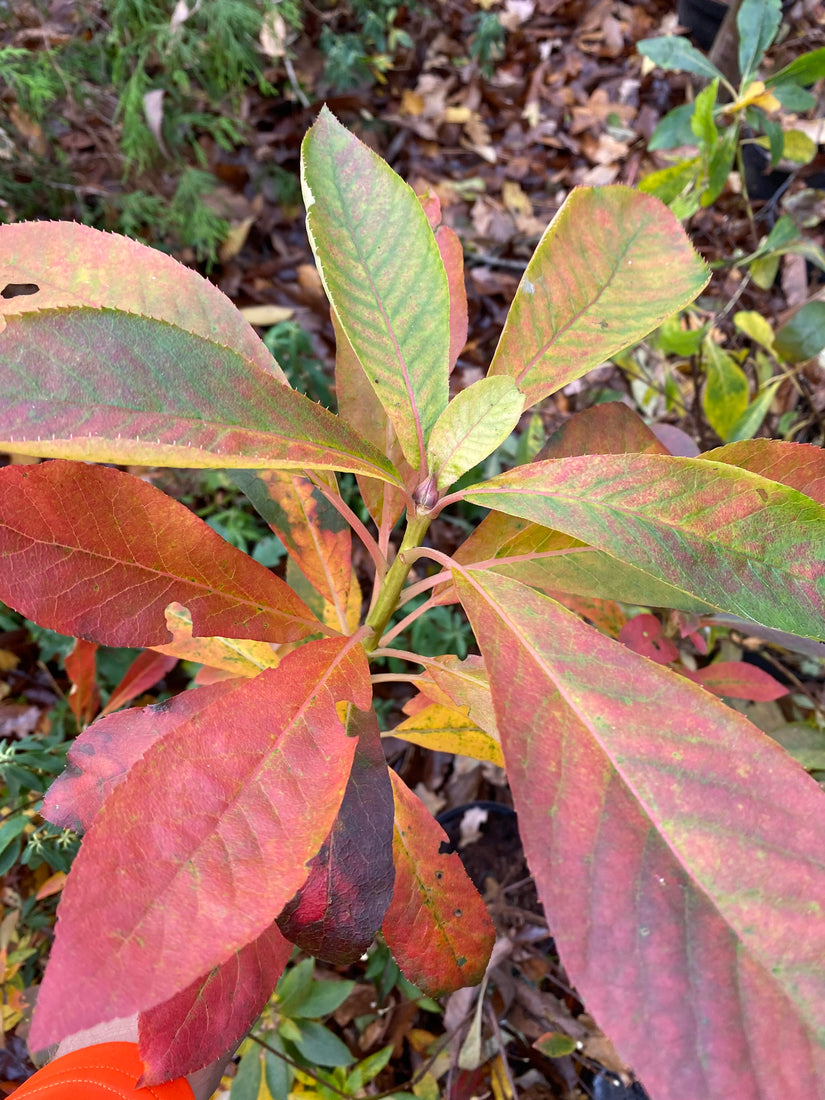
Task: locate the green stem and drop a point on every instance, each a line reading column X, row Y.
column 394, row 581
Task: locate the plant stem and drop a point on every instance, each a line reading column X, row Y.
column 387, row 601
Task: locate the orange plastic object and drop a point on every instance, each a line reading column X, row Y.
column 108, row 1071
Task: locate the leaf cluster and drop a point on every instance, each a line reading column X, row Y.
column 256, row 811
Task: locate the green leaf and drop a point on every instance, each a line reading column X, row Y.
column 246, row 1083
column 725, row 394
column 751, row 419
column 734, row 540
column 803, row 337
column 611, row 266
column 804, row 70
column 320, row 1047
column 757, row 22
column 675, row 53
column 702, row 123
column 720, row 165
column 323, row 998
column 669, row 183
column 383, row 273
column 792, row 97
column 675, row 129
column 473, row 425
column 294, row 987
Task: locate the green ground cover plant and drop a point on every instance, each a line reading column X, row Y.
column 168, row 80
column 723, row 119
column 676, row 848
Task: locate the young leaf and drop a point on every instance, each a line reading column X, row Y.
column 473, row 425
column 209, row 1017
column 612, row 264
column 679, row 865
column 94, row 552
column 314, row 533
column 726, row 537
column 173, row 399
column 672, row 52
column 173, row 877
column 73, row 265
column 339, row 909
column 383, row 274
column 757, row 22
column 437, row 926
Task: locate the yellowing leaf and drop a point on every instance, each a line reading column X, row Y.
column 445, row 729
column 725, row 396
column 754, row 95
column 241, row 658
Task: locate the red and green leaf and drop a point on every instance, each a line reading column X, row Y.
column 679, row 861
column 612, row 264
column 199, row 848
column 173, row 399
column 382, row 271
column 437, row 926
column 340, row 907
column 97, row 553
column 724, row 536
column 800, row 465
column 74, row 266
column 211, row 1016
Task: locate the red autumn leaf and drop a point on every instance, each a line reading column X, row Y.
column 143, row 673
column 644, row 635
column 437, row 926
column 211, row 1016
column 678, row 860
column 314, row 533
column 452, row 256
column 81, row 668
column 101, row 755
column 202, row 844
column 91, row 551
column 339, row 909
column 800, row 465
column 738, row 680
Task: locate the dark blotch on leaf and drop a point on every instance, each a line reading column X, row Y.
column 18, row 290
